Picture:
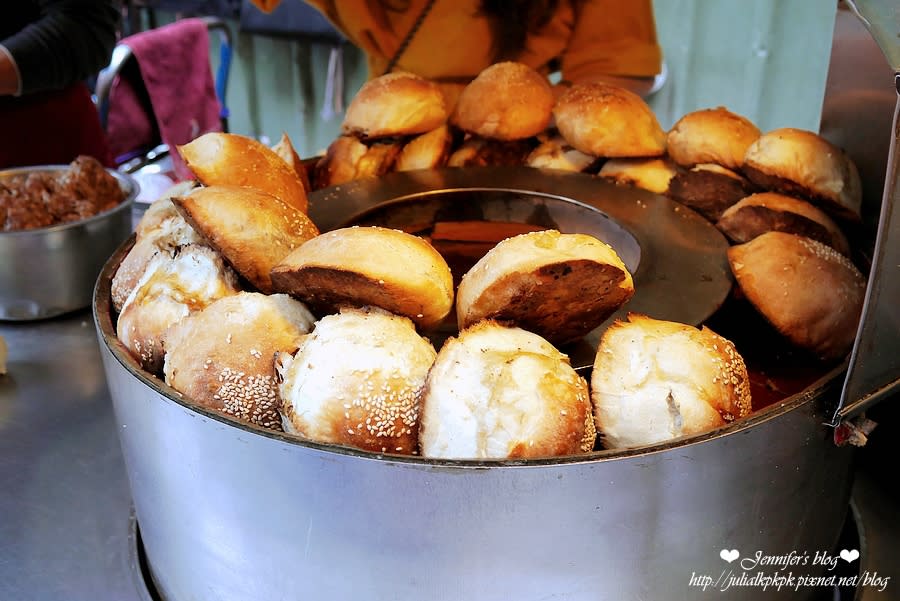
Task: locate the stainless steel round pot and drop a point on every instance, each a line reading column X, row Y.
column 48, row 271
column 227, row 511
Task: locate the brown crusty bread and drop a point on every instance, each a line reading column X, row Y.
column 560, row 286
column 713, row 135
column 251, row 229
column 654, row 380
column 770, row 211
column 506, row 101
column 498, row 392
column 802, row 163
column 709, row 189
column 285, row 149
column 812, row 294
column 653, row 175
column 395, row 104
column 222, row 357
column 369, row 266
column 608, row 121
column 222, row 159
column 426, row 151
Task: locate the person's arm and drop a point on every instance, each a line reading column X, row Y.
column 71, row 41
column 614, row 42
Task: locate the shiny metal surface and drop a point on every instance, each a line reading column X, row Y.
column 230, row 512
column 50, row 271
column 64, row 500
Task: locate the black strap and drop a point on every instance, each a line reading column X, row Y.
column 409, row 36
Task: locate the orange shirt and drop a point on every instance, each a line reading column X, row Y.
column 608, row 37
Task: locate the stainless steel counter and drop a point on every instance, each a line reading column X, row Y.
column 64, row 500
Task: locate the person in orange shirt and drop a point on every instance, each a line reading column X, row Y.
column 451, row 41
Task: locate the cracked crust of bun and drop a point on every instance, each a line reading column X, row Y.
column 395, row 104
column 285, row 149
column 357, row 380
column 812, row 294
column 608, row 121
column 713, row 135
column 656, row 380
column 506, row 101
column 170, row 288
column 222, row 159
column 770, row 211
column 560, row 286
column 222, row 357
column 797, row 162
column 369, row 266
column 251, row 229
column 497, row 392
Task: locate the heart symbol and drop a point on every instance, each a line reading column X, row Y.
column 849, row 556
column 730, row 556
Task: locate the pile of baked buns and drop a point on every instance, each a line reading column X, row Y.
column 234, row 298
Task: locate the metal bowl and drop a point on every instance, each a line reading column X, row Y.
column 232, row 512
column 49, row 271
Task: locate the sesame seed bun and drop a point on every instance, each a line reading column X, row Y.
column 221, row 159
column 170, row 288
column 652, row 175
column 801, row 163
column 498, row 392
column 608, row 121
column 222, row 357
column 356, row 380
column 655, row 380
column 812, row 294
column 395, row 104
column 560, row 286
column 711, row 136
column 251, row 229
column 506, row 101
column 769, row 211
column 347, row 159
column 369, row 266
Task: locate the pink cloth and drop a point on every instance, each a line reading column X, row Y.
column 173, row 67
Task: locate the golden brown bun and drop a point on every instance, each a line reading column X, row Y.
column 369, row 266
column 426, row 151
column 162, row 208
column 476, row 151
column 348, row 159
column 506, row 101
column 285, row 149
column 809, row 292
column 711, row 136
column 655, row 380
column 801, row 163
column 253, row 230
column 653, row 175
column 222, row 357
column 560, row 286
column 497, row 392
column 170, row 289
column 220, row 159
column 169, row 233
column 768, row 211
column 608, row 121
column 396, row 104
column 556, row 153
column 357, row 381
column 709, row 189
column 338, row 166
